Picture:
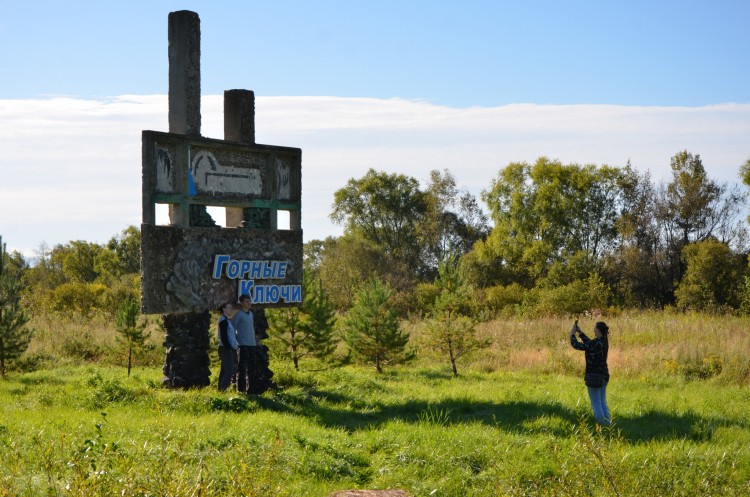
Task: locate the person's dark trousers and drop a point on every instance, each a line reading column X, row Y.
column 228, row 358
column 245, row 368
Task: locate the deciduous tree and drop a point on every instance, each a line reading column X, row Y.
column 452, row 224
column 548, row 213
column 713, row 278
column 384, row 209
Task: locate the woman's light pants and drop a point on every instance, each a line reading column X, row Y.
column 598, row 398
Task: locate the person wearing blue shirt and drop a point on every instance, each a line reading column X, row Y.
column 243, row 323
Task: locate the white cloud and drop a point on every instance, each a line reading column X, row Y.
column 71, row 168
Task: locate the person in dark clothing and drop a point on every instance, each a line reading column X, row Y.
column 227, row 346
column 597, row 372
column 262, row 373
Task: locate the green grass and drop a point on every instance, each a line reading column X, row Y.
column 415, row 428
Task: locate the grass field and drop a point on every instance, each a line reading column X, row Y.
column 515, row 422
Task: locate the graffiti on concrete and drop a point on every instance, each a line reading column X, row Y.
column 164, row 170
column 282, row 180
column 209, row 176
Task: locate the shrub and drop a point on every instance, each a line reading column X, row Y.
column 78, row 298
column 504, row 300
column 82, row 347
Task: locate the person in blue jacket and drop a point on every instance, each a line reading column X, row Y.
column 597, row 372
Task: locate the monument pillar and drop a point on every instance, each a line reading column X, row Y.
column 184, row 73
column 193, row 265
column 239, row 126
column 187, row 363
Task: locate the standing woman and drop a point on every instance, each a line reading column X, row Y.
column 227, row 346
column 597, row 372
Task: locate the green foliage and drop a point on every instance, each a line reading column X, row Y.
column 83, row 346
column 745, row 175
column 80, row 298
column 555, row 224
column 425, row 295
column 573, row 299
column 372, row 331
column 449, row 330
column 696, row 208
column 408, row 229
column 94, row 278
column 710, row 265
column 453, row 221
column 548, row 212
column 690, row 196
column 79, row 261
column 384, row 209
column 232, row 404
column 92, row 461
column 745, row 292
column 131, row 328
column 306, row 330
column 127, row 248
column 14, row 334
column 346, row 264
column 504, row 300
column 286, row 337
column 321, row 320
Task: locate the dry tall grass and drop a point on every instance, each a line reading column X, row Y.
column 648, row 343
column 76, row 339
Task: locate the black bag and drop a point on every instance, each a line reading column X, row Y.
column 594, row 380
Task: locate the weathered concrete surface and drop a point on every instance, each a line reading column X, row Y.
column 185, row 73
column 187, row 340
column 177, row 265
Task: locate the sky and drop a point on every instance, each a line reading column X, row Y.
column 398, row 86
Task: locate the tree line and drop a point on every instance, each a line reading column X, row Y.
column 555, row 239
column 564, row 238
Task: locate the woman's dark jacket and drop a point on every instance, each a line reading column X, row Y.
column 596, row 358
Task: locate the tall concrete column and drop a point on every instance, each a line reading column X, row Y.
column 239, row 116
column 187, row 338
column 184, row 73
column 239, row 126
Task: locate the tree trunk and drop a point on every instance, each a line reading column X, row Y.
column 453, row 360
column 130, row 358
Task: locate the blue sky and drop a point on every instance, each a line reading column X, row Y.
column 395, row 85
column 461, row 54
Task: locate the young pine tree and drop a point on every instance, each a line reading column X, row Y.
column 132, row 331
column 372, row 331
column 321, row 319
column 449, row 331
column 287, row 336
column 14, row 334
column 305, row 330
